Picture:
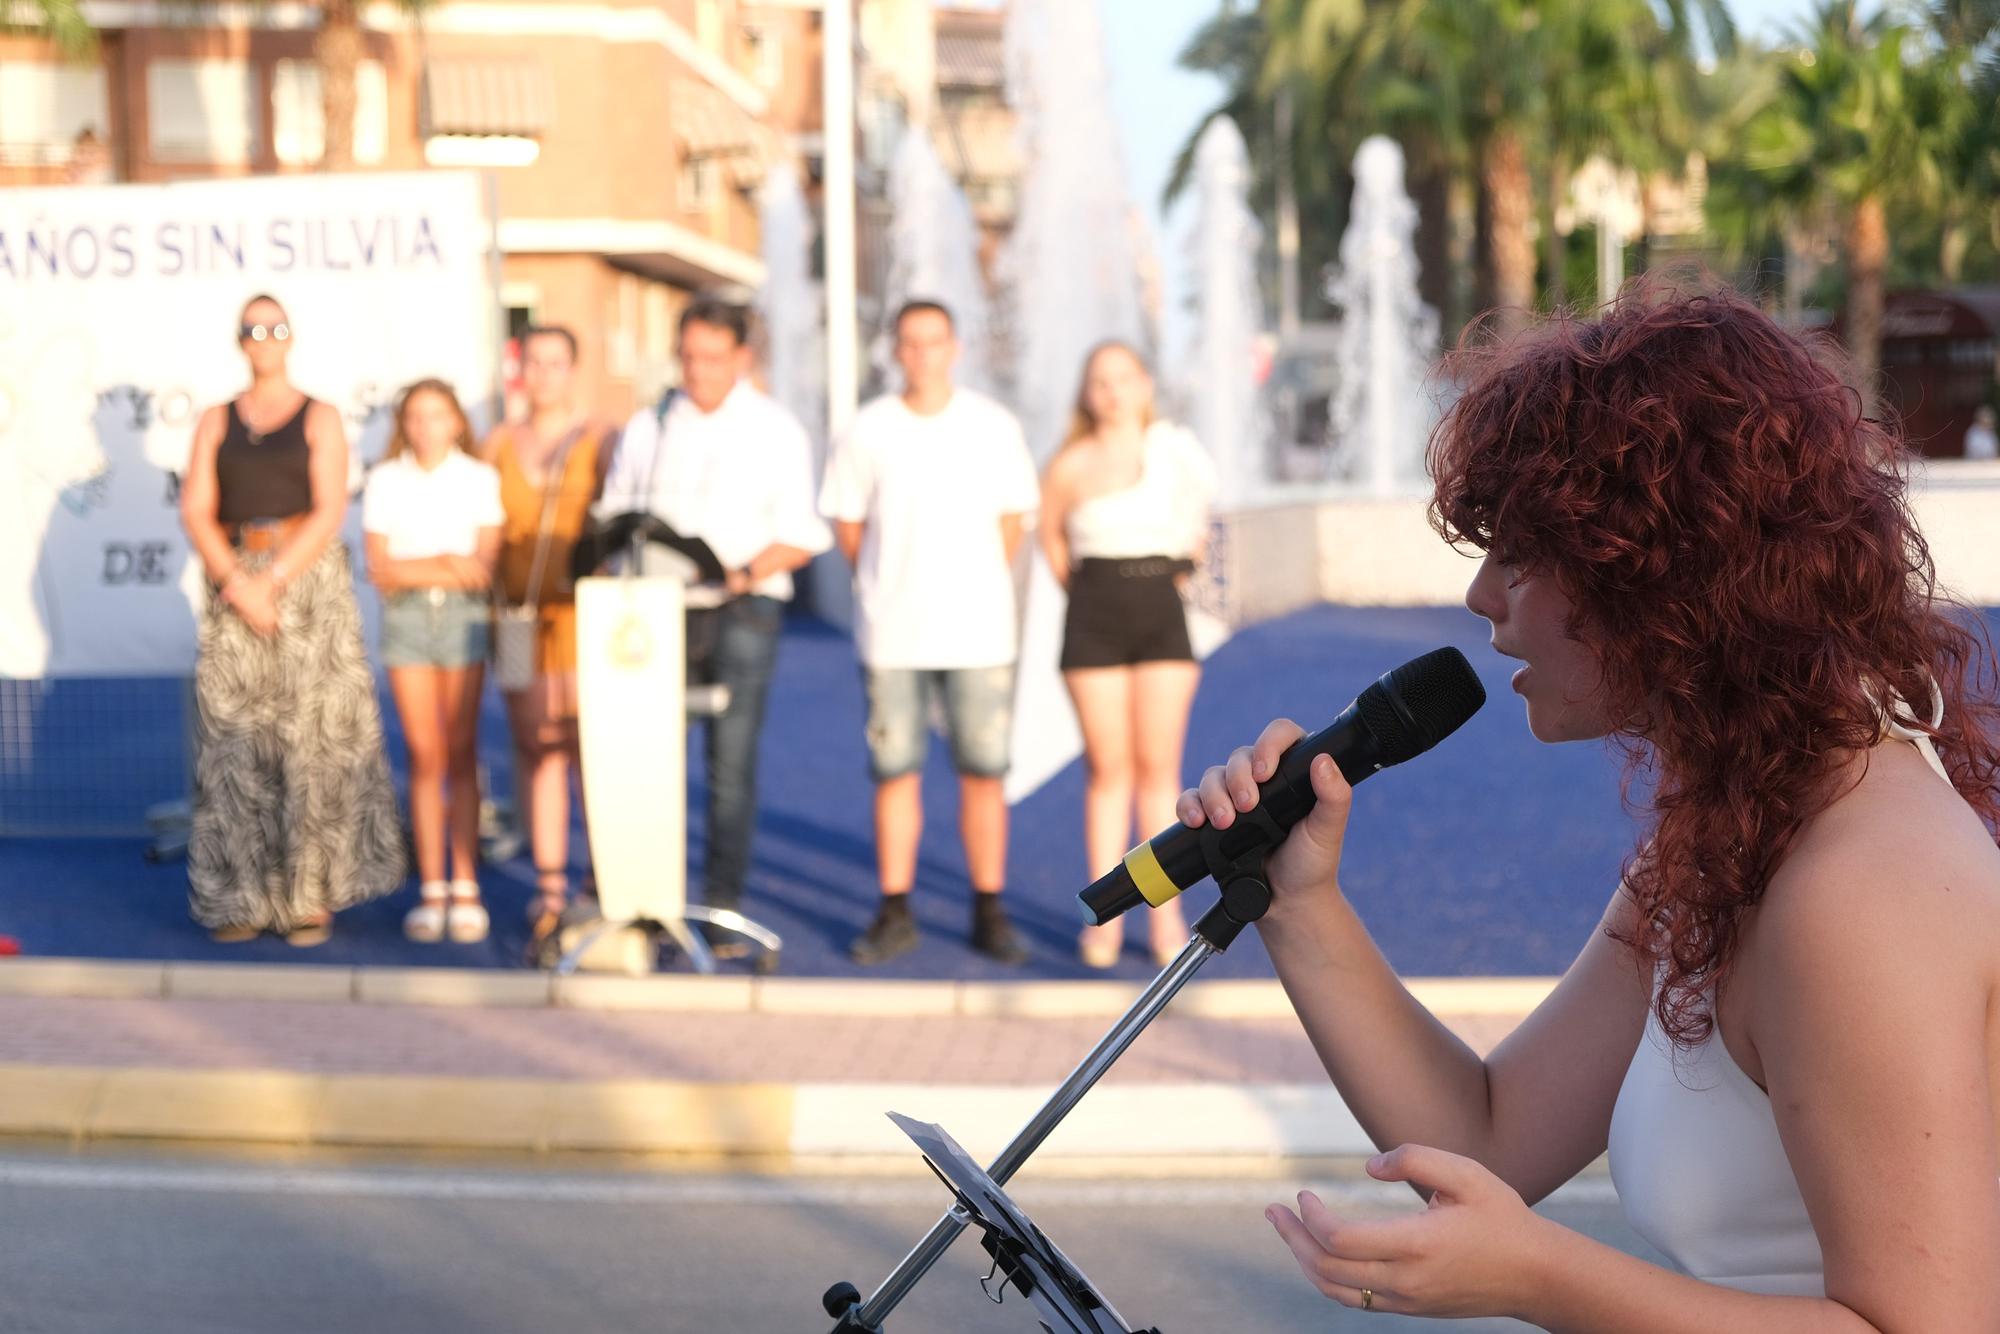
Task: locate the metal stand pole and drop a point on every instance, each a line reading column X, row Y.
column 1245, row 896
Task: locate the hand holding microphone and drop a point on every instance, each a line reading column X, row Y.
column 1253, row 802
column 1309, row 857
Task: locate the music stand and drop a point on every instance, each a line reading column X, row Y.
column 1024, row 1259
column 1246, row 896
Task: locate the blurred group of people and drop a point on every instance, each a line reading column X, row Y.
column 475, row 547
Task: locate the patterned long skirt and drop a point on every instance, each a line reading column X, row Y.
column 294, row 812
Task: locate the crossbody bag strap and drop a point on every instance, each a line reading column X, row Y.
column 551, row 493
column 637, row 546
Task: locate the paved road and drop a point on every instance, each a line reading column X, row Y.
column 107, row 1244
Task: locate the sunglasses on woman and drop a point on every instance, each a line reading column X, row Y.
column 257, row 333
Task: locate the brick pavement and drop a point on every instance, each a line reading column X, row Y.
column 580, row 1045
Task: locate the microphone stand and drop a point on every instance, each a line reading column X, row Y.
column 1246, row 895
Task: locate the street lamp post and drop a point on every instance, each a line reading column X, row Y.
column 837, row 227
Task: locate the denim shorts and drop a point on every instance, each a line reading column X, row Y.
column 435, row 627
column 978, row 708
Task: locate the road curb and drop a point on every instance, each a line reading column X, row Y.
column 100, row 979
column 1117, row 1123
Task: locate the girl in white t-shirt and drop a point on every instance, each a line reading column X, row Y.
column 431, row 520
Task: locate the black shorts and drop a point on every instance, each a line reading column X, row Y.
column 1123, row 612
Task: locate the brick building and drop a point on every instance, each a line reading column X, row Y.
column 624, row 140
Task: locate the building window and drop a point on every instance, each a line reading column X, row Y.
column 623, row 344
column 298, row 113
column 700, row 175
column 201, row 111
column 481, row 150
column 657, row 327
column 44, row 108
column 765, row 55
column 708, row 25
column 485, row 113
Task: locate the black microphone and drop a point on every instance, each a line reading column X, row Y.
column 1402, row 715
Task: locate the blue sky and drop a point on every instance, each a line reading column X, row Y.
column 1157, row 103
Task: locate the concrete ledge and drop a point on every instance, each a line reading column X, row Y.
column 47, row 1100
column 258, row 981
column 1220, row 1123
column 101, row 978
column 244, row 1106
column 682, row 993
column 451, row 986
column 424, row 1112
column 650, row 1116
column 1368, row 551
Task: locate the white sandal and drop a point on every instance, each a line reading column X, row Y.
column 466, row 921
column 426, row 922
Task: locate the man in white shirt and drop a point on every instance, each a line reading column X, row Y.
column 930, row 495
column 730, row 466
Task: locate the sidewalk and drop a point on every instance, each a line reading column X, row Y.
column 778, row 1069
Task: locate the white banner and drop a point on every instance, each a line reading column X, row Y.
column 118, row 317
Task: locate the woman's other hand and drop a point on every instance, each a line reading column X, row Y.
column 1475, row 1251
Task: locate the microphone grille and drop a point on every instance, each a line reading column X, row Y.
column 1437, row 693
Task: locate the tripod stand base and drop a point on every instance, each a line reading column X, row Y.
column 684, row 932
column 843, row 1302
column 1246, row 895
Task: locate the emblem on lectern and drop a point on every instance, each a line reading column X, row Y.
column 632, row 643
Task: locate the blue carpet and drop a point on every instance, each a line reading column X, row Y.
column 1492, row 854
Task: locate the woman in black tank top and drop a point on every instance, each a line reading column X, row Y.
column 294, row 816
column 264, row 475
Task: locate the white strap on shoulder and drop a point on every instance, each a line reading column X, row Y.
column 1894, row 724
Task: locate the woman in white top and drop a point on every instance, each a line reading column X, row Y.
column 1787, row 1029
column 431, row 521
column 1124, row 519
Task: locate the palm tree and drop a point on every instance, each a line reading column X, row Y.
column 1854, row 121
column 61, row 20
column 1620, row 83
column 1744, row 223
column 1966, row 69
column 1495, row 91
column 337, row 50
column 1234, row 46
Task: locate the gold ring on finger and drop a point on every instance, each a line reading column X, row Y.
column 1368, row 1299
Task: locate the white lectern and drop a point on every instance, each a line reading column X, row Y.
column 633, row 704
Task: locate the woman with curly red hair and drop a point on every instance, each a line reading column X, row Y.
column 1787, row 1031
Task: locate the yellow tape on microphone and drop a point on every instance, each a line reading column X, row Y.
column 1144, row 868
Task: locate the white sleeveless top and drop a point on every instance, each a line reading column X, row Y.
column 1699, row 1167
column 1164, row 513
column 1702, row 1175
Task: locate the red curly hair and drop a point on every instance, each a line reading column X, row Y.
column 1736, row 539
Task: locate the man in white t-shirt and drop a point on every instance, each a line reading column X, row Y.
column 930, row 495
column 727, row 464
